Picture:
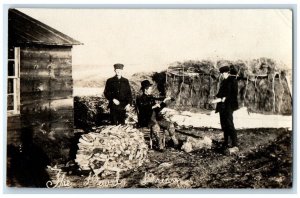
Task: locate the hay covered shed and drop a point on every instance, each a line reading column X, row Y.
column 264, row 85
column 39, row 86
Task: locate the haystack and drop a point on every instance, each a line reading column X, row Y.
column 93, row 111
column 135, row 83
column 90, row 111
column 263, row 85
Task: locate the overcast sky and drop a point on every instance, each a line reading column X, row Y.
column 145, row 40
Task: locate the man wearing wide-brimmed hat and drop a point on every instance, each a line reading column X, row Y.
column 227, row 103
column 148, row 114
column 117, row 91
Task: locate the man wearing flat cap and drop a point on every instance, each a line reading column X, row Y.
column 117, row 91
column 227, row 103
column 149, row 108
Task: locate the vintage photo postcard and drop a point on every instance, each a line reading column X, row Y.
column 149, row 98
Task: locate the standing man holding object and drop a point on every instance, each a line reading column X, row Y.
column 117, row 91
column 227, row 103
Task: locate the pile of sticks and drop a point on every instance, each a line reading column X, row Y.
column 111, row 148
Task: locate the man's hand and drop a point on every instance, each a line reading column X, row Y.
column 216, row 100
column 156, row 106
column 166, row 99
column 127, row 108
column 116, row 102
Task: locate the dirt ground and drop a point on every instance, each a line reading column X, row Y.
column 264, row 161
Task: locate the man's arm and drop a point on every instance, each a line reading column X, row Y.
column 107, row 90
column 221, row 95
column 163, row 103
column 129, row 94
column 143, row 104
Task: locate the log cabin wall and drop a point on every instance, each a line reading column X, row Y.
column 13, row 130
column 40, row 124
column 46, row 94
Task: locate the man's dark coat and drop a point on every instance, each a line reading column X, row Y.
column 118, row 89
column 228, row 89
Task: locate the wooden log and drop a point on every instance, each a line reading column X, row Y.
column 46, row 84
column 13, row 130
column 46, row 72
column 41, row 105
column 58, row 121
column 46, row 53
column 61, row 91
column 32, row 97
column 31, row 63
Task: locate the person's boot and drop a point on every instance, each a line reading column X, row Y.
column 226, row 139
column 224, row 148
column 234, row 142
column 224, row 145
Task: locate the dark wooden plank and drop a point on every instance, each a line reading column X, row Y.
column 63, row 72
column 61, row 84
column 29, row 79
column 13, row 122
column 26, row 99
column 46, row 53
column 42, row 49
column 37, row 85
column 38, row 73
column 33, row 64
column 37, row 107
column 50, row 90
column 29, row 98
column 34, row 85
column 56, row 102
column 58, row 122
column 13, row 130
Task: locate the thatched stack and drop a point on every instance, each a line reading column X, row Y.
column 192, row 83
column 93, row 111
column 90, row 111
column 263, row 84
column 135, row 83
column 111, row 148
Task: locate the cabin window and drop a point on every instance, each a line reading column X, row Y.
column 13, row 81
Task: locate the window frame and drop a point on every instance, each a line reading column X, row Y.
column 16, row 83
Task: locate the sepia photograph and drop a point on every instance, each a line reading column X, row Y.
column 149, row 98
